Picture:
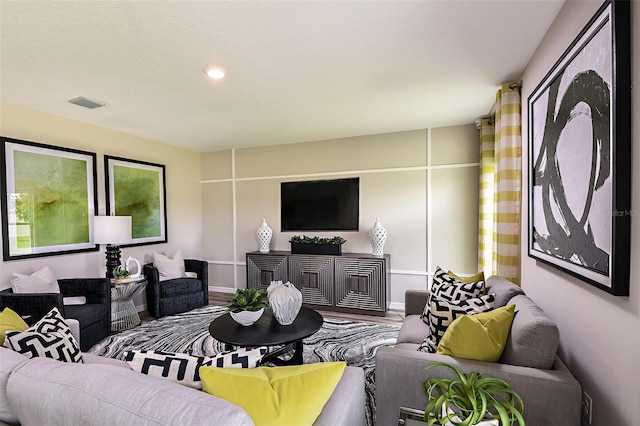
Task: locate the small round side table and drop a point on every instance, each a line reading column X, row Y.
column 124, row 314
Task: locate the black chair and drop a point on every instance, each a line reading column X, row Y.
column 177, row 295
column 94, row 316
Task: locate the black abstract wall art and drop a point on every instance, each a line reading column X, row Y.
column 580, row 155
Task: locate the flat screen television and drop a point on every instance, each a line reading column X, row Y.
column 320, row 205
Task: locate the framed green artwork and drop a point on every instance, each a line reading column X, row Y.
column 49, row 199
column 137, row 189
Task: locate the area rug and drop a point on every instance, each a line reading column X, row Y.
column 354, row 342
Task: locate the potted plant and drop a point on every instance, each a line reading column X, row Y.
column 247, row 305
column 470, row 399
column 316, row 245
column 121, row 275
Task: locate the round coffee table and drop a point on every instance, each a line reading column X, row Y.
column 267, row 331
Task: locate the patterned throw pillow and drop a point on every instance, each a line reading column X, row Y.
column 184, row 368
column 50, row 337
column 446, row 287
column 443, row 312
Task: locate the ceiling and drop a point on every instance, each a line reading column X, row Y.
column 295, row 70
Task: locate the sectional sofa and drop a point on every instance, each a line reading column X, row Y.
column 106, row 391
column 529, row 363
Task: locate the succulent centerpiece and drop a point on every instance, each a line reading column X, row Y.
column 247, row 305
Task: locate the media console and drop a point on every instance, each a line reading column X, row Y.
column 351, row 282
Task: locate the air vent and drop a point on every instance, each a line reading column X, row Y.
column 87, row 103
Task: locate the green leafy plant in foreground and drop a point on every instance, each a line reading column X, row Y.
column 317, row 240
column 472, row 398
column 248, row 299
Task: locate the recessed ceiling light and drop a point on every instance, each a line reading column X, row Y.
column 215, row 73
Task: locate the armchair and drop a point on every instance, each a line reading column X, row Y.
column 177, row 295
column 94, row 317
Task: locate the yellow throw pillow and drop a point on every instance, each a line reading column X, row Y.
column 472, row 279
column 290, row 395
column 481, row 336
column 10, row 321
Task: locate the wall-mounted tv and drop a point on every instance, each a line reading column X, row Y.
column 320, row 205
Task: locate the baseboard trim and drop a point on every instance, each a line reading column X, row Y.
column 222, row 289
column 396, row 306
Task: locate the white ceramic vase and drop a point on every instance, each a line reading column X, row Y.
column 377, row 237
column 285, row 301
column 264, row 234
column 247, row 318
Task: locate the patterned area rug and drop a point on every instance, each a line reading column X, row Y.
column 338, row 340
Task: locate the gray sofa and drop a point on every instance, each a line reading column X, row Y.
column 105, row 391
column 551, row 395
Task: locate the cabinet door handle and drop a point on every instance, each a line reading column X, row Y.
column 310, row 279
column 266, row 277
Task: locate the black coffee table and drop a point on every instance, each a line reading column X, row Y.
column 267, row 331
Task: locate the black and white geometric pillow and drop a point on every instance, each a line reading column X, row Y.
column 443, row 312
column 184, row 368
column 50, row 337
column 446, row 287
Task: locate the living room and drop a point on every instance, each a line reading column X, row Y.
column 217, row 199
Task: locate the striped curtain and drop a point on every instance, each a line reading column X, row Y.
column 500, row 187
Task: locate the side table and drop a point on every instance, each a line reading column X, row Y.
column 124, row 314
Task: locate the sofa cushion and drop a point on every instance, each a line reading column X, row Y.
column 503, row 289
column 290, row 395
column 534, row 337
column 184, row 368
column 179, row 286
column 413, row 330
column 9, row 320
column 10, row 360
column 86, row 314
column 50, row 337
column 481, row 336
column 444, row 312
column 41, row 389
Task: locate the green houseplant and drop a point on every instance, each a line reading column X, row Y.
column 247, row 305
column 469, row 399
column 248, row 299
column 316, row 245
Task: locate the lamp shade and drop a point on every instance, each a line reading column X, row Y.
column 112, row 229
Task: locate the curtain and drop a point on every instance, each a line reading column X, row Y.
column 500, row 187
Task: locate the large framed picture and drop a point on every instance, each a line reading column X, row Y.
column 49, row 199
column 137, row 189
column 580, row 155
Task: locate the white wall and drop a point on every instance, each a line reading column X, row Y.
column 599, row 333
column 422, row 184
column 182, row 169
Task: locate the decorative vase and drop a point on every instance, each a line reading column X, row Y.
column 377, row 237
column 264, row 234
column 285, row 301
column 246, row 318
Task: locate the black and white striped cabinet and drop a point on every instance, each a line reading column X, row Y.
column 351, row 282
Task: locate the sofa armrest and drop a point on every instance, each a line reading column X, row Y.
column 201, row 268
column 551, row 397
column 415, row 301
